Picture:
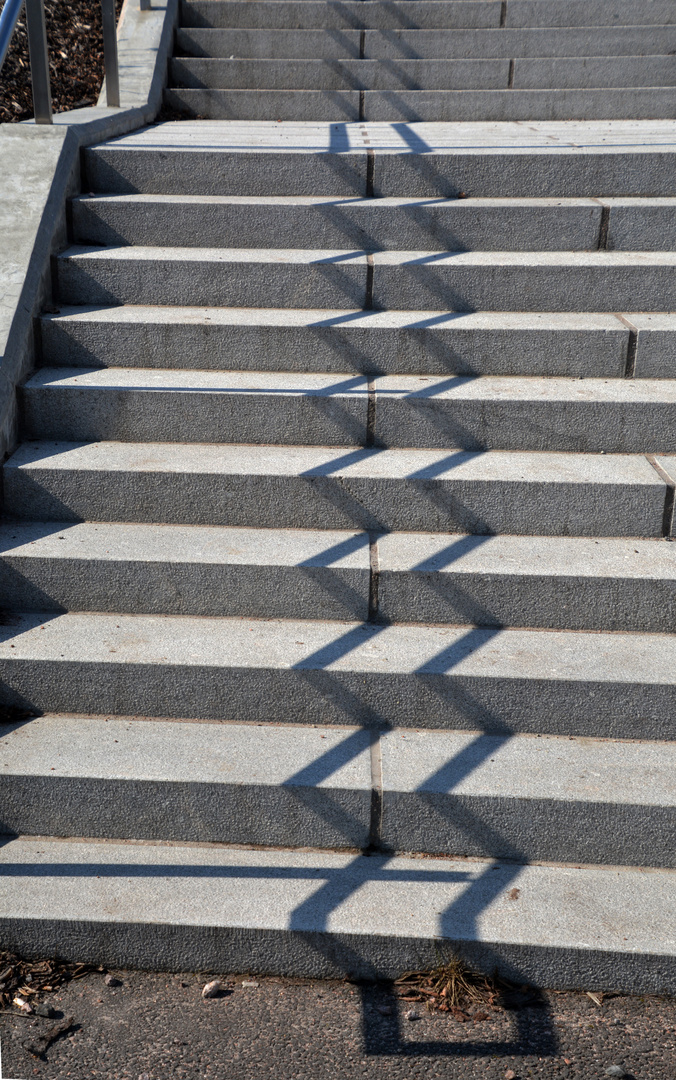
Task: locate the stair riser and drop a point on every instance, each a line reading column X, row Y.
column 420, row 14
column 566, row 603
column 428, row 350
column 200, row 813
column 366, row 226
column 178, row 588
column 279, row 285
column 319, row 74
column 316, row 420
column 427, row 75
column 264, row 591
column 428, row 44
column 530, row 829
column 554, row 287
column 406, row 106
column 312, row 420
column 489, row 175
column 345, row 14
column 336, row 501
column 429, row 285
column 584, row 427
column 319, row 696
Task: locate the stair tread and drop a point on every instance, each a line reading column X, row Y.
column 167, row 752
column 398, row 552
column 559, row 137
column 457, row 763
column 384, row 914
column 210, row 544
column 462, row 206
column 309, row 645
column 356, row 318
column 422, row 388
column 342, row 257
column 319, row 461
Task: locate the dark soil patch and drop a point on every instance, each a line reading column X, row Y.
column 75, row 42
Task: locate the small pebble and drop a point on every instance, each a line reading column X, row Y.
column 615, row 1070
column 411, row 1014
column 110, row 980
column 212, row 989
column 510, row 1075
column 385, row 1010
column 45, row 1010
column 249, row 984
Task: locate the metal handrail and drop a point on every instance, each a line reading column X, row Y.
column 39, row 54
column 8, row 20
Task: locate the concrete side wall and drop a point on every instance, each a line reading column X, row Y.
column 39, row 170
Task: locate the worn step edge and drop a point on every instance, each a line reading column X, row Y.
column 555, row 682
column 316, row 487
column 322, row 914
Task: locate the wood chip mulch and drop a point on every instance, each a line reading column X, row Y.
column 75, row 44
column 21, row 981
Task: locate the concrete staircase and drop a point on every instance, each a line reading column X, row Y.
column 422, row 60
column 338, row 585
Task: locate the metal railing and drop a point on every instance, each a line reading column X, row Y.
column 39, row 55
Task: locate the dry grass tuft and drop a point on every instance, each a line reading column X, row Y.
column 452, row 987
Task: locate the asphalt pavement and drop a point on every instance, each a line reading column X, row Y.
column 157, row 1026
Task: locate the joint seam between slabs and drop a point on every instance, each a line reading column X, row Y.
column 668, row 513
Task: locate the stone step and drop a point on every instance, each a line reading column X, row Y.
column 185, row 570
column 318, row 74
column 371, row 342
column 375, row 224
column 348, row 14
column 422, row 14
column 546, row 159
column 302, row 278
column 397, row 44
column 427, row 75
column 207, row 406
column 406, row 106
column 470, row 413
column 327, row 914
column 547, row 582
column 531, row 798
column 571, row 583
column 550, row 494
column 590, row 684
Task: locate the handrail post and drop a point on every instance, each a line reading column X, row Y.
column 39, row 56
column 110, row 53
